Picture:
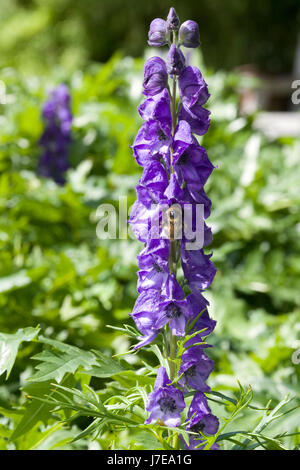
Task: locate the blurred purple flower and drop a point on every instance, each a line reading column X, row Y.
column 56, row 138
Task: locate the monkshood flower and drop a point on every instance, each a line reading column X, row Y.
column 198, row 269
column 56, row 137
column 189, row 34
column 175, row 170
column 166, row 402
column 158, row 33
column 157, row 307
column 173, row 21
column 195, row 367
column 175, row 61
column 155, row 76
column 192, row 87
column 201, row 418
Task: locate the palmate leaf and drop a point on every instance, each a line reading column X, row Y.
column 105, row 366
column 63, row 358
column 60, row 362
column 9, row 345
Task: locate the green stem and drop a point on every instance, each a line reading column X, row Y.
column 173, row 347
column 173, row 251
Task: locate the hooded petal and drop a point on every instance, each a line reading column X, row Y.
column 192, row 86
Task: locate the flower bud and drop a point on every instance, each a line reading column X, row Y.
column 175, row 61
column 189, row 34
column 158, row 33
column 155, row 76
column 173, row 21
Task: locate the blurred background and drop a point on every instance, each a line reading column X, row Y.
column 55, row 273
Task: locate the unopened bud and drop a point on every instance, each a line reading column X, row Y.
column 158, row 33
column 189, row 34
column 173, row 21
column 175, row 61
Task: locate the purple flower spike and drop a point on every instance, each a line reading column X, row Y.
column 158, row 35
column 201, row 418
column 155, row 76
column 165, row 217
column 173, row 21
column 166, row 402
column 175, row 61
column 189, row 34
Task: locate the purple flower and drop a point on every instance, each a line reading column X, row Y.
column 152, row 185
column 153, row 262
column 197, row 117
column 145, row 314
column 195, row 367
column 166, row 402
column 198, row 310
column 173, row 21
column 189, row 34
column 157, row 108
column 158, row 34
column 173, row 192
column 175, row 61
column 192, row 87
column 192, row 164
column 140, row 220
column 153, row 141
column 56, row 137
column 156, row 308
column 200, row 416
column 155, row 76
column 182, row 137
column 198, row 269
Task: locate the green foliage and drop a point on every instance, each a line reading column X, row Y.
column 66, row 391
column 9, row 345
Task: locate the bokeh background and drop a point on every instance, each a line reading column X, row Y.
column 56, row 273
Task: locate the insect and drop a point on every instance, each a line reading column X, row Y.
column 172, row 222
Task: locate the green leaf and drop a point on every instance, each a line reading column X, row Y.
column 37, row 411
column 105, row 367
column 9, row 345
column 55, row 364
column 63, row 358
